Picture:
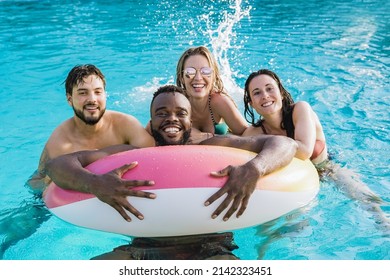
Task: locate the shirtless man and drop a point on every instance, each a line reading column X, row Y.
column 92, row 126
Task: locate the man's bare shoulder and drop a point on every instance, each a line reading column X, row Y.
column 124, row 123
column 121, row 117
column 131, row 129
column 60, row 141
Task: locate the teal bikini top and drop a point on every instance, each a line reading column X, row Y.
column 219, row 128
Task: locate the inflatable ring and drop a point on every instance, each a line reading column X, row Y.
column 182, row 184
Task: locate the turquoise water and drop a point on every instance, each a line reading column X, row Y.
column 332, row 54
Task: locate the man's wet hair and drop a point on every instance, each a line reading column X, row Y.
column 166, row 89
column 78, row 73
column 160, row 140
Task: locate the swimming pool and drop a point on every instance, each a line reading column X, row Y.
column 332, row 54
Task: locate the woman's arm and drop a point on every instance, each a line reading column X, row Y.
column 305, row 129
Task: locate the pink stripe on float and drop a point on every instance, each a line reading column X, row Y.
column 169, row 167
column 55, row 196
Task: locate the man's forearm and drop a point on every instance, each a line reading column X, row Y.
column 38, row 182
column 276, row 152
column 68, row 173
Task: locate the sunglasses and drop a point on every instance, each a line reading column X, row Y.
column 190, row 72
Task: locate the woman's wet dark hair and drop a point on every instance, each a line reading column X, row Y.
column 287, row 100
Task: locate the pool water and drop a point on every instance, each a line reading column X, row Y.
column 332, row 54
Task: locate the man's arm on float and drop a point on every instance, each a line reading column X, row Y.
column 68, row 172
column 273, row 152
column 38, row 181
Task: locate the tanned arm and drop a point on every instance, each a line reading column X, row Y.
column 68, row 172
column 274, row 152
column 38, row 181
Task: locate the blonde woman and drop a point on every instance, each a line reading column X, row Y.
column 213, row 110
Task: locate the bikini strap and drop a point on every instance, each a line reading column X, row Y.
column 211, row 112
column 262, row 127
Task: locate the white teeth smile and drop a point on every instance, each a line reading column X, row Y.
column 171, row 130
column 198, row 86
column 90, row 107
column 267, row 104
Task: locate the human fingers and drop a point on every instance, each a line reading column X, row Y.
column 124, row 168
column 225, row 203
column 138, row 183
column 130, row 184
column 236, row 203
column 123, row 204
column 121, row 211
column 244, row 205
column 215, row 196
column 221, row 173
column 139, row 193
column 132, row 210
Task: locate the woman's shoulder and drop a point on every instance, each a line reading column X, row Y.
column 303, row 112
column 221, row 100
column 302, row 108
column 302, row 105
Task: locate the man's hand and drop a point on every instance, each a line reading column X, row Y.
column 239, row 187
column 113, row 190
column 198, row 136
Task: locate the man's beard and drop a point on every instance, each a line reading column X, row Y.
column 88, row 120
column 161, row 141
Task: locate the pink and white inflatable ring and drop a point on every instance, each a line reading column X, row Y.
column 182, row 184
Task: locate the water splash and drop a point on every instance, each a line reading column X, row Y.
column 216, row 28
column 222, row 41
